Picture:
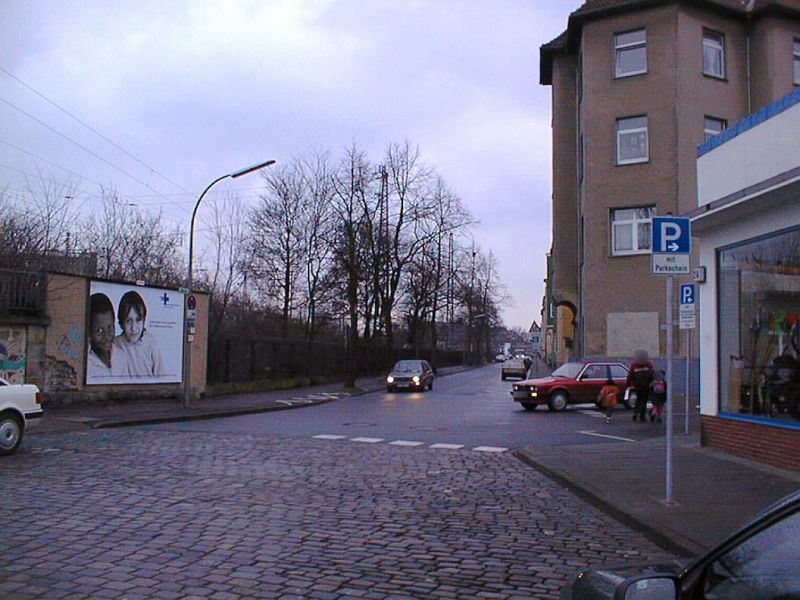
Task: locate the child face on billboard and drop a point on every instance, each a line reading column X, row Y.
column 133, row 325
column 101, row 334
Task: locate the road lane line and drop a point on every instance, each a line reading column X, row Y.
column 328, row 436
column 490, row 449
column 286, row 402
column 604, row 435
column 406, row 443
column 592, row 413
column 366, row 440
column 446, row 446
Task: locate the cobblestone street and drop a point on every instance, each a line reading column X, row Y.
column 137, row 513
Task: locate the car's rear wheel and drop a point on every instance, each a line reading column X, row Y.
column 528, row 406
column 558, row 402
column 11, row 429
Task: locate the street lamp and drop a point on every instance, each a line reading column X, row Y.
column 187, row 347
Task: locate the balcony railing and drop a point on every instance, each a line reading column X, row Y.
column 22, row 293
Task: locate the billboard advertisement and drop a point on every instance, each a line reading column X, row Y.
column 134, row 335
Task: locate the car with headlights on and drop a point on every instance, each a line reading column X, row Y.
column 514, row 367
column 20, row 409
column 759, row 562
column 413, row 374
column 571, row 383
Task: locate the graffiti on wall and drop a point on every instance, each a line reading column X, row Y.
column 71, row 342
column 12, row 354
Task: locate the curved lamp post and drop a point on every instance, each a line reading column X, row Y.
column 187, row 347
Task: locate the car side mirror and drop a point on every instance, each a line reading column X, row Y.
column 648, row 587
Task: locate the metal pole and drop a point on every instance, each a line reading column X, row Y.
column 670, row 327
column 688, row 367
column 187, row 347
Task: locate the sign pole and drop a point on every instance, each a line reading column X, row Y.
column 670, row 328
column 688, row 380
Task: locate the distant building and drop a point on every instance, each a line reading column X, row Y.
column 636, row 86
column 748, row 223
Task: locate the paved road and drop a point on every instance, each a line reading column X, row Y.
column 217, row 512
column 471, row 408
column 140, row 514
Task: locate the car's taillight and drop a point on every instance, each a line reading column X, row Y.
column 39, row 397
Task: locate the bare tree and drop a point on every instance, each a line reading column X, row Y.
column 276, row 244
column 131, row 244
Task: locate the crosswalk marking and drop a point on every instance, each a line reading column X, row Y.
column 490, row 449
column 406, row 443
column 592, row 413
column 604, row 435
column 446, row 446
column 327, row 436
column 366, row 440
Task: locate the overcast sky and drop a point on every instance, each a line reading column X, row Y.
column 197, row 88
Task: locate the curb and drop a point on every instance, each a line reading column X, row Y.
column 202, row 416
column 648, row 531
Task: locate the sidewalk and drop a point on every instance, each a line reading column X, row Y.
column 714, row 493
column 121, row 414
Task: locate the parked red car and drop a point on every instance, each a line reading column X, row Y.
column 571, row 383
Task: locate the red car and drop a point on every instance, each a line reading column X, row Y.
column 571, row 383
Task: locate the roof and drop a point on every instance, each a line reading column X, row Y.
column 595, row 9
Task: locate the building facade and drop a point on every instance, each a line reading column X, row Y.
column 748, row 225
column 636, row 86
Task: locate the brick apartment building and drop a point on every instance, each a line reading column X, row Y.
column 636, row 86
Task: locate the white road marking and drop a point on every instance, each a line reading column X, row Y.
column 490, row 449
column 286, row 402
column 328, row 436
column 446, row 446
column 604, row 435
column 366, row 440
column 405, row 443
column 592, row 413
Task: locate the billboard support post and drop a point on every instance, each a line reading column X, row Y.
column 187, row 347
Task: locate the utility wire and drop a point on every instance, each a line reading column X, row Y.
column 94, row 131
column 84, row 148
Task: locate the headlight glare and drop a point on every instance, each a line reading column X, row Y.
column 390, row 379
column 415, row 379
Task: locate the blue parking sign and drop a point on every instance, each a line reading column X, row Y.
column 687, row 294
column 672, row 235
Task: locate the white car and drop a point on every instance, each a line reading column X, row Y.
column 20, row 408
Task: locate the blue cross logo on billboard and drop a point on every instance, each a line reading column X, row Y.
column 672, row 235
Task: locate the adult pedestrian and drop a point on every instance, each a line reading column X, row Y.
column 640, row 376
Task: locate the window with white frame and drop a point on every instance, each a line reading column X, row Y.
column 713, row 126
column 713, row 53
column 632, row 140
column 630, row 49
column 630, row 230
column 796, row 60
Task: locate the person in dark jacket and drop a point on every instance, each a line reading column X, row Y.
column 640, row 377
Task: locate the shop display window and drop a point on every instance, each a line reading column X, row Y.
column 759, row 335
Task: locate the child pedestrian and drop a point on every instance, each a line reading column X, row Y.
column 658, row 396
column 608, row 398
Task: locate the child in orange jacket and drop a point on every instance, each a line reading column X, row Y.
column 609, row 397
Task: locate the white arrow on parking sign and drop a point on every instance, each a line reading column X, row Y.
column 669, row 233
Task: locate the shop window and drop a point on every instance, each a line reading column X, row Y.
column 632, row 140
column 630, row 230
column 759, row 345
column 713, row 126
column 796, row 61
column 630, row 50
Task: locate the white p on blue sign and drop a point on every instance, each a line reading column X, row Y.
column 688, row 294
column 672, row 235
